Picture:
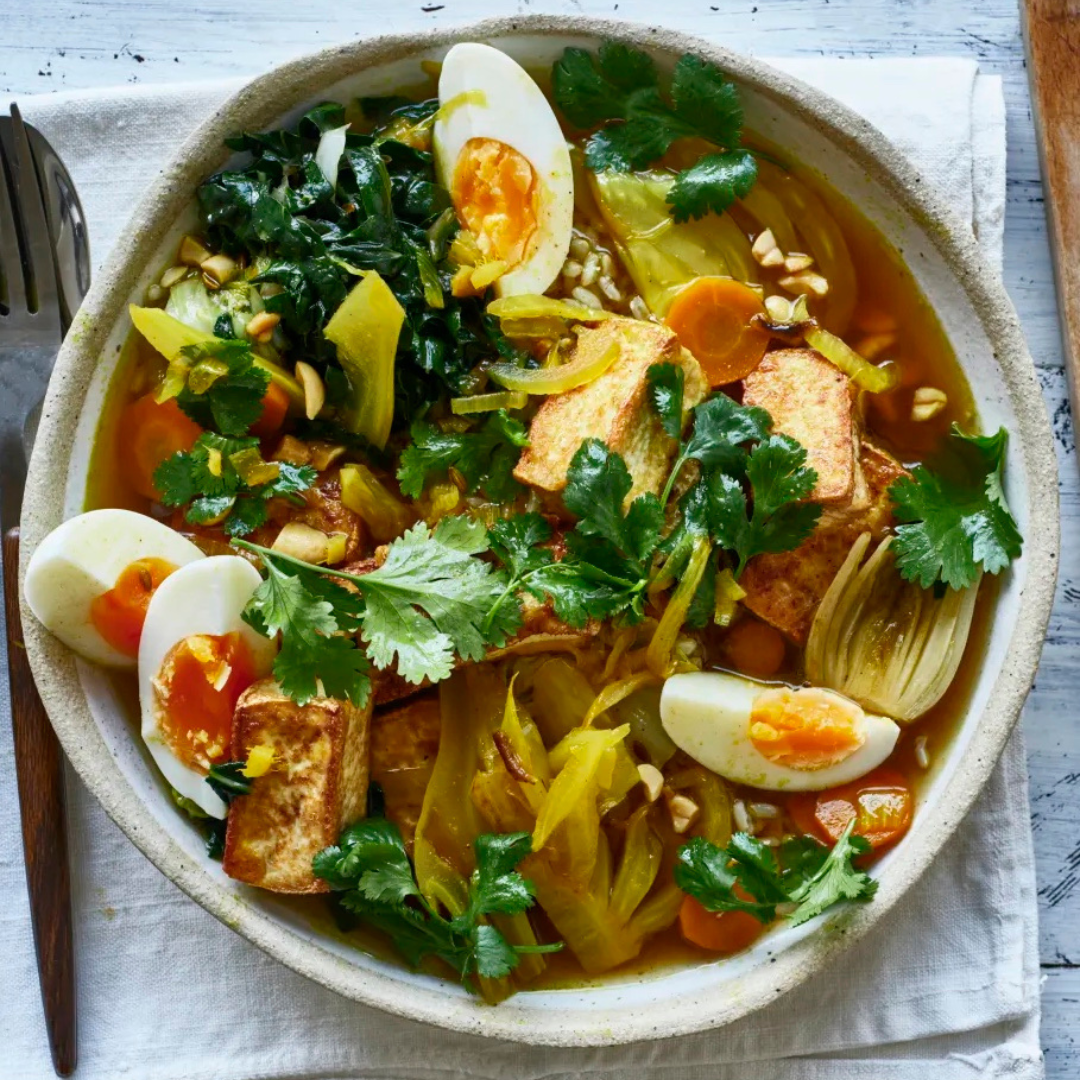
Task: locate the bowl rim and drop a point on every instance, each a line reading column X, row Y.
column 259, row 103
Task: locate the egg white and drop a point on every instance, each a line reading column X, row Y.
column 511, row 109
column 206, row 597
column 81, row 559
column 707, row 715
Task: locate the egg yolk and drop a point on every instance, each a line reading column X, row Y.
column 496, row 195
column 197, row 689
column 808, row 728
column 118, row 615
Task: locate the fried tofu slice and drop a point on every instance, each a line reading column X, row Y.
column 316, row 786
column 404, row 745
column 785, row 589
column 813, row 402
column 614, row 407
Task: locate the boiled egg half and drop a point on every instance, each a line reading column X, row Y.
column 501, row 154
column 91, row 580
column 773, row 737
column 196, row 658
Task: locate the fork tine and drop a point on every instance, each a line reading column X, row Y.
column 35, row 227
column 12, row 284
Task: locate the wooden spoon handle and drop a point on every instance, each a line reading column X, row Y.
column 39, row 766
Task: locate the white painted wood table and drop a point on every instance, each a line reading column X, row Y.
column 72, row 44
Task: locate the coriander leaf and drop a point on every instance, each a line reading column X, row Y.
column 310, row 614
column 598, row 483
column 430, row 598
column 705, row 100
column 710, row 874
column 721, row 428
column 496, row 885
column 955, row 519
column 836, row 879
column 228, row 780
column 370, row 868
column 617, row 90
column 224, row 387
column 493, row 956
column 712, row 183
column 213, row 478
column 515, row 540
column 485, row 458
column 580, row 592
column 666, row 395
column 778, row 478
column 746, row 876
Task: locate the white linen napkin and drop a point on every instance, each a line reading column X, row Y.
column 947, row 986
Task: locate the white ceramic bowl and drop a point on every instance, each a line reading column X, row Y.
column 983, row 329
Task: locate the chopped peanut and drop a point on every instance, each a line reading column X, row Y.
column 653, row 779
column 173, row 276
column 796, row 262
column 192, row 253
column 766, row 251
column 220, row 269
column 684, row 812
column 261, row 326
column 806, row 282
column 314, row 390
column 928, row 402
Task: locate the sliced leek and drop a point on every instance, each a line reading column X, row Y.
column 555, row 380
column 888, row 644
column 477, row 403
column 863, row 374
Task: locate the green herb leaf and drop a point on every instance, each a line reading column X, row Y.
column 666, row 395
column 712, row 183
column 619, row 89
column 956, row 519
column 315, row 619
column 208, row 478
column 369, row 866
column 807, row 874
column 779, row 478
column 233, row 401
column 485, row 458
column 430, row 599
column 835, row 880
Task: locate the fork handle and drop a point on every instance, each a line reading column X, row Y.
column 39, row 766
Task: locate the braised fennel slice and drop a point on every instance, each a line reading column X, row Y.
column 427, row 605
column 887, row 643
column 370, row 869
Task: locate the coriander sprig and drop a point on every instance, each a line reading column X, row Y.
column 617, row 92
column 370, row 868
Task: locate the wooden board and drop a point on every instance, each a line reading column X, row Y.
column 1052, row 35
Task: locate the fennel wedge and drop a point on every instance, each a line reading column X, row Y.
column 890, row 645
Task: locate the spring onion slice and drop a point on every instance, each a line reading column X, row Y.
column 866, row 376
column 477, row 403
column 555, row 380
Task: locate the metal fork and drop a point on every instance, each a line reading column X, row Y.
column 31, row 329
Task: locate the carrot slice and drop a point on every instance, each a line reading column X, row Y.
column 720, row 932
column 712, row 319
column 880, row 802
column 275, row 405
column 755, row 648
column 149, row 433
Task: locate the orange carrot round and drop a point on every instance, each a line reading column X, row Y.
column 149, row 433
column 712, row 317
column 880, row 802
column 754, row 648
column 275, row 405
column 719, row 932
